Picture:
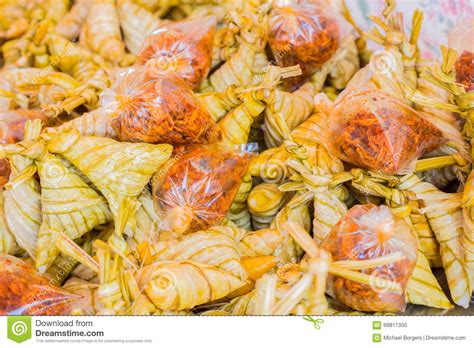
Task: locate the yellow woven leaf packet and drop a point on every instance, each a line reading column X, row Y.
column 288, row 250
column 93, row 123
column 238, row 212
column 444, row 213
column 270, row 164
column 68, row 204
column 218, row 246
column 236, row 125
column 468, row 220
column 101, row 31
column 88, row 304
column 147, row 222
column 428, row 243
column 312, row 166
column 263, row 242
column 242, row 305
column 22, row 203
column 210, row 247
column 117, row 169
column 112, row 288
column 218, row 104
column 328, row 210
column 136, row 23
column 310, row 135
column 423, row 288
column 264, row 202
column 69, row 26
column 176, row 285
column 7, row 240
column 242, row 66
column 293, row 108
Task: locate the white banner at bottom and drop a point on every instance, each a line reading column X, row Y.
column 238, row 332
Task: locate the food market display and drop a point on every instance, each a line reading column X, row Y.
column 233, row 158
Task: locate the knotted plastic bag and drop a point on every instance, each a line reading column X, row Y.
column 157, row 109
column 198, row 187
column 304, row 33
column 368, row 232
column 24, row 292
column 183, row 47
column 373, row 130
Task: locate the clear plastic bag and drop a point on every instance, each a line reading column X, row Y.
column 368, row 232
column 304, row 33
column 198, row 187
column 24, row 292
column 157, row 109
column 373, row 130
column 182, row 47
column 460, row 39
